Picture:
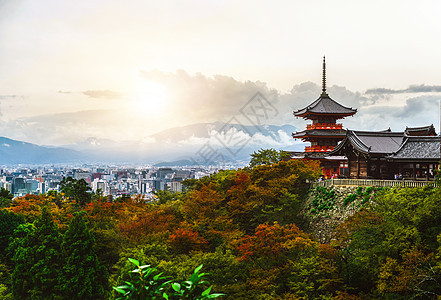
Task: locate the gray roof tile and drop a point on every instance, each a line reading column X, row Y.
column 418, row 148
column 325, row 105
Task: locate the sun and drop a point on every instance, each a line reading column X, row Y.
column 149, row 97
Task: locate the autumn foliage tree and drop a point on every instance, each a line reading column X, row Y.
column 245, row 226
column 184, row 240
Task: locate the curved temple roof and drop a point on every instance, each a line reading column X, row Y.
column 374, row 142
column 418, row 148
column 324, row 105
column 320, row 133
column 421, row 131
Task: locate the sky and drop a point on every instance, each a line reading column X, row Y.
column 124, row 70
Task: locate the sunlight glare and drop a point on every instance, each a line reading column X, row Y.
column 149, row 98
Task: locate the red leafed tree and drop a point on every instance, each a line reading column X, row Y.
column 272, row 241
column 205, row 211
column 161, row 220
column 30, row 206
column 184, row 240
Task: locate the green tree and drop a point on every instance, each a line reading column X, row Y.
column 83, row 276
column 390, row 248
column 77, row 190
column 5, row 198
column 38, row 260
column 9, row 221
column 267, row 157
column 166, row 196
column 147, row 284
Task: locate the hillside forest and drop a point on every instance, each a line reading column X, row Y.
column 246, row 231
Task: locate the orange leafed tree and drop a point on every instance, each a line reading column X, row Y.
column 271, row 241
column 205, row 211
column 157, row 220
column 184, row 240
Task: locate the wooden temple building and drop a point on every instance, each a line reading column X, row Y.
column 324, row 132
column 411, row 154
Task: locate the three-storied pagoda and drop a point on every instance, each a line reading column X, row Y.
column 324, row 132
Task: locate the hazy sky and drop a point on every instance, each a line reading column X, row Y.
column 70, row 70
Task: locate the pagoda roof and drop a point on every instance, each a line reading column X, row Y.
column 420, row 131
column 341, row 133
column 324, row 105
column 418, row 148
column 371, row 142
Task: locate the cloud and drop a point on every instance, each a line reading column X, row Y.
column 197, row 98
column 64, row 92
column 301, row 95
column 63, row 128
column 417, row 111
column 218, row 98
column 207, row 99
column 102, row 94
column 4, row 97
column 411, row 89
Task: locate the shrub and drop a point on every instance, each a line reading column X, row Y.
column 324, row 198
column 149, row 285
column 350, row 198
column 368, row 190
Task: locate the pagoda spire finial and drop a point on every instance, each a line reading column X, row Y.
column 324, row 77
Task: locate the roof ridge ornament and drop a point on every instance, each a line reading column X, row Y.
column 324, row 77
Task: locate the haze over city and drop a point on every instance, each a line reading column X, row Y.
column 91, row 71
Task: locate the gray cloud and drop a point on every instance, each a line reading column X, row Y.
column 198, row 98
column 59, row 128
column 220, row 97
column 4, row 97
column 418, row 107
column 373, row 111
column 201, row 99
column 102, row 94
column 418, row 111
column 411, row 89
column 305, row 93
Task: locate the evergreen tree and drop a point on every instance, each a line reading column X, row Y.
column 5, row 198
column 83, row 276
column 267, row 157
column 78, row 190
column 37, row 259
column 9, row 221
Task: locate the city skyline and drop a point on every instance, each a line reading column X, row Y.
column 127, row 70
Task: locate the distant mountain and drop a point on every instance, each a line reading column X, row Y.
column 176, row 163
column 17, row 152
column 206, row 130
column 230, row 142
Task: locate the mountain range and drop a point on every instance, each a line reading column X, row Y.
column 16, row 152
column 231, row 142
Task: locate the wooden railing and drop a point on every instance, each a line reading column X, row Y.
column 324, row 126
column 317, row 148
column 371, row 182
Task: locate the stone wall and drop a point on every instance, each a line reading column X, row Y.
column 325, row 208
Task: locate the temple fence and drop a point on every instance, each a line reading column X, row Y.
column 371, row 182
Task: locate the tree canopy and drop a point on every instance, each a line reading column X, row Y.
column 246, row 227
column 267, row 157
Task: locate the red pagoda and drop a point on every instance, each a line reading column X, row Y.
column 324, row 133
